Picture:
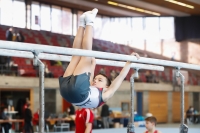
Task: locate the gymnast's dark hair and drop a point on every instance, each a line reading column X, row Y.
column 152, row 119
column 108, row 79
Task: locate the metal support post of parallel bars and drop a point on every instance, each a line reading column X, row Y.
column 131, row 127
column 183, row 127
column 37, row 62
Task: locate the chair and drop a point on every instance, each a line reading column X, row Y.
column 61, row 128
column 37, row 128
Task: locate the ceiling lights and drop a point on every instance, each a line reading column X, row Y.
column 180, row 3
column 133, row 8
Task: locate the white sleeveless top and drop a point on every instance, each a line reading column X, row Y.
column 93, row 100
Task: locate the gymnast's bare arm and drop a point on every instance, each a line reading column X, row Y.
column 118, row 80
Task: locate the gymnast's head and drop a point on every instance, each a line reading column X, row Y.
column 150, row 122
column 101, row 81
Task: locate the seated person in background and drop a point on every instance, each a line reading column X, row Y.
column 190, row 113
column 196, row 117
column 113, row 75
column 20, row 37
column 71, row 110
column 47, row 72
column 151, row 125
column 102, row 71
column 13, row 68
column 4, row 116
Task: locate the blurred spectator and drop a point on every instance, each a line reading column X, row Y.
column 26, row 104
column 149, row 77
column 9, row 34
column 47, row 72
column 102, row 70
column 117, row 72
column 71, row 110
column 4, row 116
column 196, row 116
column 190, row 113
column 13, row 68
column 105, row 115
column 14, row 37
column 113, row 75
column 20, row 37
column 20, row 108
column 28, row 128
column 71, row 113
column 36, row 118
column 173, row 56
column 154, row 78
column 56, row 63
column 84, row 119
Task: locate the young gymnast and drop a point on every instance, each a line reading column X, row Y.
column 77, row 85
column 151, row 125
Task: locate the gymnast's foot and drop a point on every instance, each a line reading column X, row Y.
column 82, row 22
column 90, row 17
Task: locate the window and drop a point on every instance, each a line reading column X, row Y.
column 0, row 10
column 137, row 34
column 79, row 15
column 45, row 17
column 19, row 13
column 128, row 27
column 56, row 19
column 6, row 12
column 28, row 22
column 171, row 49
column 74, row 24
column 167, row 28
column 106, row 32
column 35, row 13
column 152, row 28
column 152, row 35
column 97, row 27
column 125, row 30
column 114, row 29
column 66, row 21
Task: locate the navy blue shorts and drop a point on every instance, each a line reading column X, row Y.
column 75, row 89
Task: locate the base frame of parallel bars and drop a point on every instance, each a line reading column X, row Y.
column 131, row 126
